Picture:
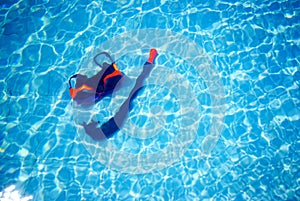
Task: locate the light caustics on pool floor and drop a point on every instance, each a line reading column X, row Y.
column 176, row 86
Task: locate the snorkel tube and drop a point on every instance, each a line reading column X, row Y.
column 102, row 53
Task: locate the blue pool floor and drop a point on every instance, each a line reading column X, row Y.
column 238, row 78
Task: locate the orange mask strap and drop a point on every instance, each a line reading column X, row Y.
column 115, row 73
column 115, row 66
column 74, row 91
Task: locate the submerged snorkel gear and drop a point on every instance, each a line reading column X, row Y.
column 85, row 94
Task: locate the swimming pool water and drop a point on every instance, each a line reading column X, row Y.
column 218, row 118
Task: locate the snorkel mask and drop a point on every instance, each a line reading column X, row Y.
column 87, row 95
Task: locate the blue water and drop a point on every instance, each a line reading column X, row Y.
column 218, row 118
